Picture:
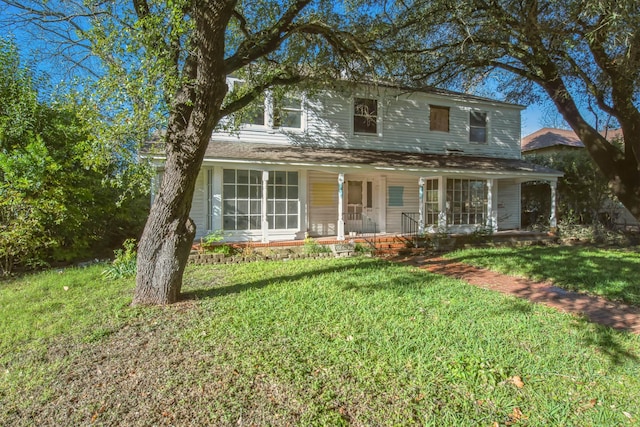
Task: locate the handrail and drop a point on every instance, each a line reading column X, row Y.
column 410, row 225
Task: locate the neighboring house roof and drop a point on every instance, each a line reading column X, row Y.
column 550, row 137
column 381, row 160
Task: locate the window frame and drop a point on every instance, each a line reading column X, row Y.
column 301, row 110
column 432, row 109
column 485, row 127
column 462, row 197
column 378, row 116
column 264, row 108
column 279, row 193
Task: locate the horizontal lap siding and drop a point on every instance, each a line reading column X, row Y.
column 323, row 203
column 508, row 204
column 199, row 205
column 409, row 200
column 404, row 126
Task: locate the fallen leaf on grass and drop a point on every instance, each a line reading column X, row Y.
column 517, row 381
column 98, row 412
column 628, row 415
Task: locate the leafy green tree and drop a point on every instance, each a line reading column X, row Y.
column 165, row 65
column 54, row 203
column 583, row 55
column 581, row 192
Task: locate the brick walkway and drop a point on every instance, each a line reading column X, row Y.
column 596, row 309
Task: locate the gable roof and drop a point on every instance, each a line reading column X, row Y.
column 550, row 137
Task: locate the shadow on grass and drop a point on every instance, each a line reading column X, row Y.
column 612, row 274
column 403, row 282
column 352, row 269
column 607, row 341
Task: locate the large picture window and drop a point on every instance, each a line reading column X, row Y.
column 282, row 200
column 242, row 200
column 466, row 201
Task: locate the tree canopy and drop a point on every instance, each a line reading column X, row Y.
column 585, row 56
column 54, row 201
column 164, row 65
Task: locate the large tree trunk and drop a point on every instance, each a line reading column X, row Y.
column 168, row 235
column 619, row 167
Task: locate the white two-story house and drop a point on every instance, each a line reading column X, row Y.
column 375, row 158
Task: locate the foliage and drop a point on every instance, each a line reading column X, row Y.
column 164, row 66
column 211, row 241
column 579, row 54
column 606, row 272
column 310, row 246
column 213, row 237
column 581, row 192
column 54, row 204
column 124, row 264
column 308, row 342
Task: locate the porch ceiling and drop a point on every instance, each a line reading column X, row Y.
column 372, row 159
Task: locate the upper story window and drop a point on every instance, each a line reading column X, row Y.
column 478, row 127
column 365, row 115
column 438, row 118
column 288, row 114
column 254, row 115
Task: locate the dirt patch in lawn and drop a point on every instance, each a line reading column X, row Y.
column 145, row 374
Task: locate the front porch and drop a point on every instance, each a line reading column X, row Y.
column 375, row 244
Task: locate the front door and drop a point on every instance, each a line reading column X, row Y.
column 360, row 207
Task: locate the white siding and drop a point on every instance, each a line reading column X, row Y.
column 404, row 125
column 199, row 206
column 410, row 201
column 508, row 204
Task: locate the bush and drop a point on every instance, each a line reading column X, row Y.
column 124, row 264
column 581, row 192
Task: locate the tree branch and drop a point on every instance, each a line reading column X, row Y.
column 266, row 41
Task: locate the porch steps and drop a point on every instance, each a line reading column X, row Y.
column 389, row 246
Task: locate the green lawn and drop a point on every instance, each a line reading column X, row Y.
column 307, row 342
column 613, row 274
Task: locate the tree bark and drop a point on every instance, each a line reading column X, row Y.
column 168, row 235
column 620, row 171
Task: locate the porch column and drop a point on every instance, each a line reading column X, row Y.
column 489, row 221
column 444, row 205
column 340, row 203
column 265, row 223
column 421, row 206
column 553, row 221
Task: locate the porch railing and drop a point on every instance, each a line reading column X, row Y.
column 359, row 223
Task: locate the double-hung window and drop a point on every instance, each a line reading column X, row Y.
column 282, row 200
column 288, row 113
column 242, row 199
column 478, row 127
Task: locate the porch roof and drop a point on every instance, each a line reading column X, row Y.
column 373, row 159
